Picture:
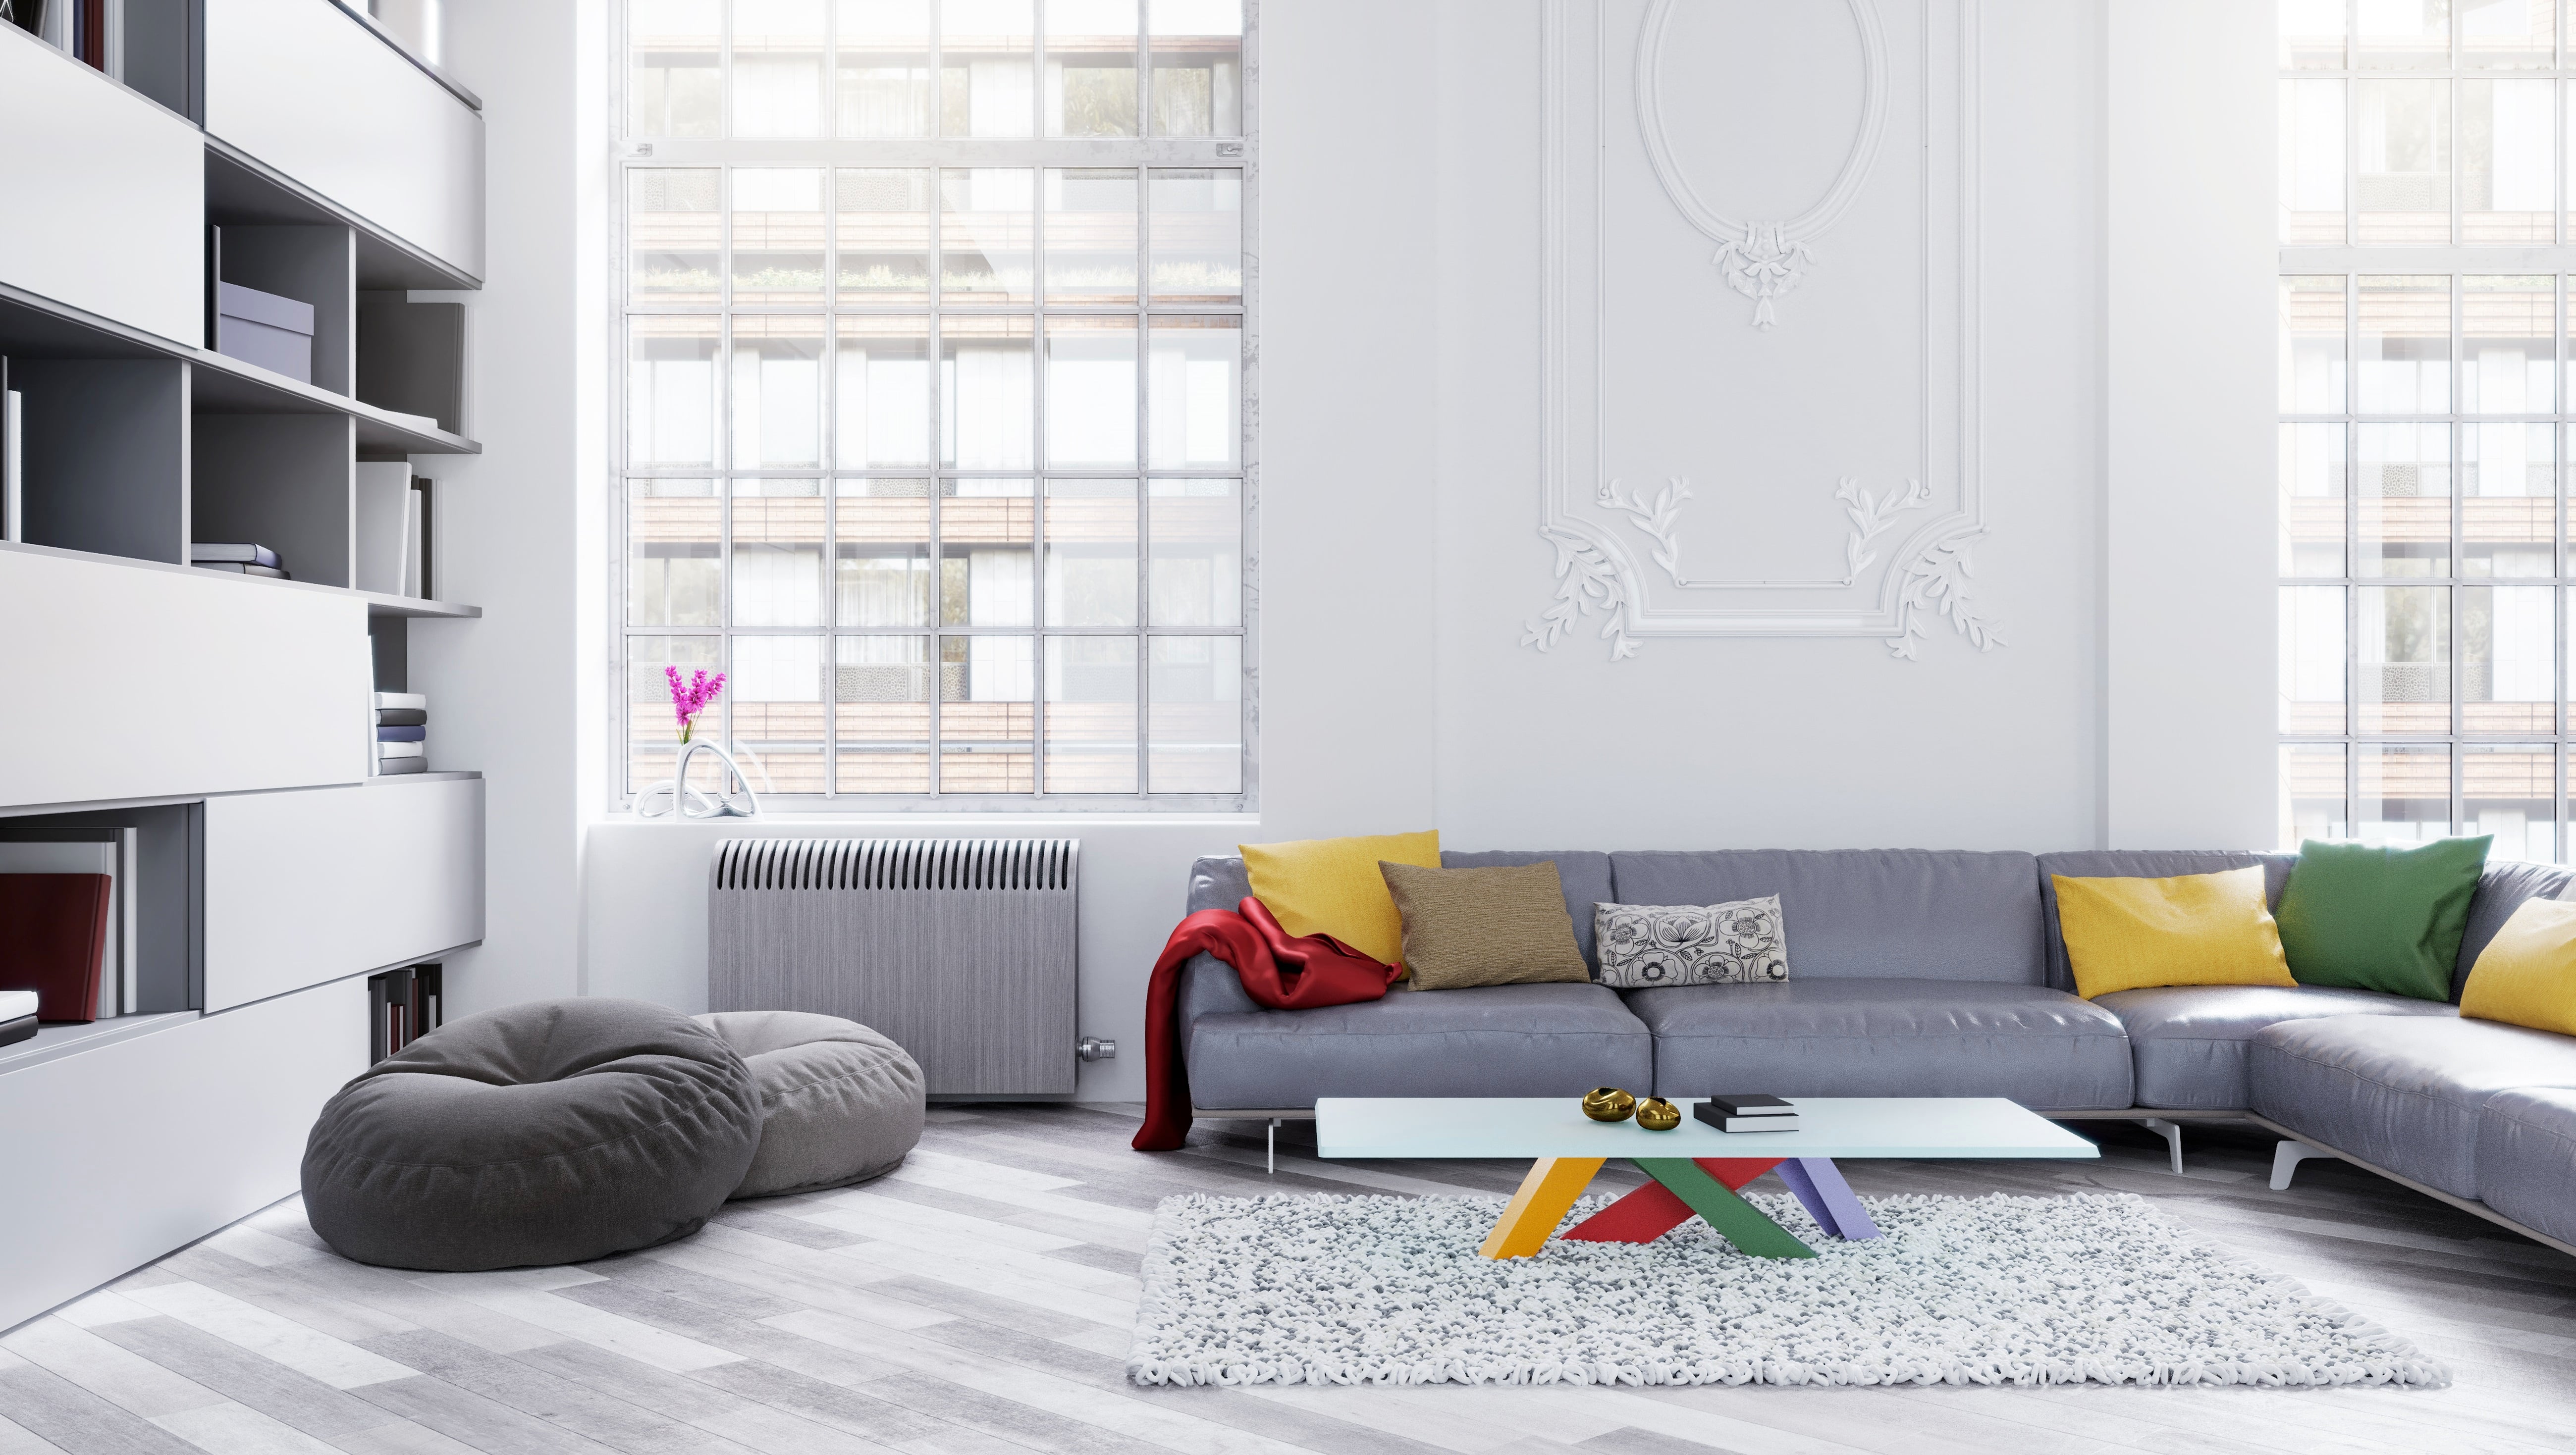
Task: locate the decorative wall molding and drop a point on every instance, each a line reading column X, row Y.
column 1900, row 553
column 1762, row 260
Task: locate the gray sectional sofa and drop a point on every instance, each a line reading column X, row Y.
column 1935, row 973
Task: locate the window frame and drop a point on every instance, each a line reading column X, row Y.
column 1036, row 152
column 2456, row 260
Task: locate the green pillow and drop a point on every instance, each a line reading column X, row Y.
column 2368, row 918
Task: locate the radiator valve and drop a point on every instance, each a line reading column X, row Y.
column 1092, row 1048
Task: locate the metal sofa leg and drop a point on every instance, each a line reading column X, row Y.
column 2170, row 1132
column 2286, row 1159
column 1272, row 1151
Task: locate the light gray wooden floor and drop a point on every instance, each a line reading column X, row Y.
column 979, row 1300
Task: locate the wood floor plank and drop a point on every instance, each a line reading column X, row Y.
column 115, row 1374
column 246, row 1377
column 232, row 1429
column 335, row 1362
column 74, row 1420
column 570, row 1404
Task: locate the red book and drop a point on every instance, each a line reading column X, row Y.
column 53, row 931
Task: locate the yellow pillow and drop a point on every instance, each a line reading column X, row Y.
column 2526, row 976
column 1333, row 887
column 2198, row 929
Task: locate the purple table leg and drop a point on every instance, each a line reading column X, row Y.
column 1820, row 1186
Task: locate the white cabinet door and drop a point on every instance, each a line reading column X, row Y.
column 313, row 886
column 167, row 682
column 119, row 1154
column 102, row 194
column 307, row 89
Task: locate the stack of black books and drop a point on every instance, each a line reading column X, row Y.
column 241, row 560
column 402, row 733
column 1747, row 1112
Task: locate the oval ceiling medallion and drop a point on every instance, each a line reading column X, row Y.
column 1760, row 259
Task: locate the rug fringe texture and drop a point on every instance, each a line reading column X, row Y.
column 2092, row 1288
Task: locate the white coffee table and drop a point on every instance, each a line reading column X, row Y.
column 1695, row 1167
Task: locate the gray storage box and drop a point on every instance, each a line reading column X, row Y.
column 262, row 328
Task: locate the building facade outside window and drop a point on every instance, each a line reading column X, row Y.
column 2425, row 255
column 938, row 344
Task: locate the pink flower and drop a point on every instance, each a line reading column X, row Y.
column 690, row 698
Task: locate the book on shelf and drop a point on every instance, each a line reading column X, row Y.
column 112, row 853
column 56, row 926
column 244, row 568
column 412, row 700
column 402, row 750
column 401, row 717
column 386, row 734
column 17, row 1016
column 384, row 528
column 415, row 561
column 395, row 767
column 203, row 553
column 13, row 409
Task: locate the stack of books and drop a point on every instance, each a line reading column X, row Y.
column 1747, row 1112
column 241, row 560
column 402, row 733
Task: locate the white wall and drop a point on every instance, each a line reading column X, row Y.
column 2191, row 349
column 519, row 527
column 1399, row 556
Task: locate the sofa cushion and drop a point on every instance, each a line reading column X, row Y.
column 2189, row 1041
column 2400, row 1092
column 1493, row 1040
column 2527, row 1158
column 1868, row 913
column 2141, row 864
column 1219, row 882
column 1583, row 873
column 1887, row 1037
column 2502, row 889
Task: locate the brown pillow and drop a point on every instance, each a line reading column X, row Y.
column 1466, row 927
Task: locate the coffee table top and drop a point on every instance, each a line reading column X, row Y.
column 1555, row 1126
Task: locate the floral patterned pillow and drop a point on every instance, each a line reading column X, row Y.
column 1647, row 945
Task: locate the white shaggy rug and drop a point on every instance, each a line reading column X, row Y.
column 1990, row 1290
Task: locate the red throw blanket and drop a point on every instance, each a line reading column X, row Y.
column 1281, row 972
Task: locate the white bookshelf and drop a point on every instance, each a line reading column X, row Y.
column 302, row 149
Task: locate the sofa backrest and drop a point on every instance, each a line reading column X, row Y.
column 2502, row 888
column 2144, row 864
column 1584, row 873
column 1219, row 882
column 1916, row 913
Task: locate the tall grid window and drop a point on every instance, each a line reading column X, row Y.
column 2424, row 437
column 938, row 346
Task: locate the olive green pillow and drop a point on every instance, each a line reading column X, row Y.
column 1466, row 927
column 2368, row 918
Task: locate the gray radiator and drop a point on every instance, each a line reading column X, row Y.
column 961, row 950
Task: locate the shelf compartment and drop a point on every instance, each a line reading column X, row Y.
column 285, row 481
column 105, row 454
column 36, row 328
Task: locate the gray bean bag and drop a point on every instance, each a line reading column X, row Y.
column 551, row 1132
column 839, row 1103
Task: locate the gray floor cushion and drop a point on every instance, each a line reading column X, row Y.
column 551, row 1132
column 2401, row 1092
column 1493, row 1040
column 2190, row 1041
column 2527, row 1159
column 2043, row 1048
column 839, row 1103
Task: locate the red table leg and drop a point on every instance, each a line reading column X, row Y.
column 1653, row 1210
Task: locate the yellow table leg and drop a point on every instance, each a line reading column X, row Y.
column 1551, row 1187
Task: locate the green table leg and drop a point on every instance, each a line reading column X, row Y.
column 1738, row 1221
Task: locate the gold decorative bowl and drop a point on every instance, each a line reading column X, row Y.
column 1658, row 1115
column 1608, row 1104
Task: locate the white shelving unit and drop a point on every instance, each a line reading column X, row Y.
column 299, row 148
